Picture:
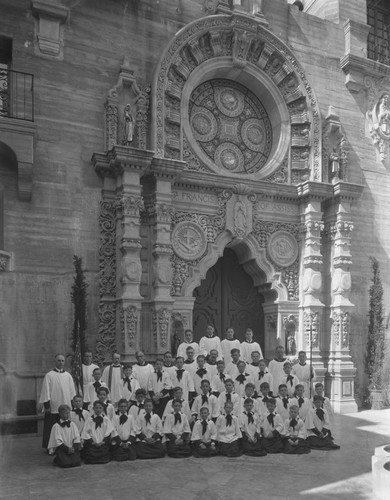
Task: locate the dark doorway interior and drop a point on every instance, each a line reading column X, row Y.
column 227, row 297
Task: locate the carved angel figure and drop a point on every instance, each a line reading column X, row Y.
column 384, row 114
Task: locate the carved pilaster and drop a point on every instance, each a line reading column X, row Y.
column 341, row 366
column 161, row 318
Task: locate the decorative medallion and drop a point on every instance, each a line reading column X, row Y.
column 188, row 240
column 230, row 126
column 282, row 248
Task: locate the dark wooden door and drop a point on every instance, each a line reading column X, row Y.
column 227, row 297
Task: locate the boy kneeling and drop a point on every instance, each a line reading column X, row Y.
column 65, row 440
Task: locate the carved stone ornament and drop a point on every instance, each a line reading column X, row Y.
column 336, row 147
column 131, row 318
column 188, row 240
column 239, row 215
column 160, row 323
column 379, row 124
column 282, row 248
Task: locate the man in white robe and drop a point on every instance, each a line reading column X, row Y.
column 57, row 389
column 112, row 376
column 88, row 368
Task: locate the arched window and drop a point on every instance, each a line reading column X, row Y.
column 378, row 17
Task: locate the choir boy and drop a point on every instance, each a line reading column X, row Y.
column 200, row 374
column 137, row 407
column 96, row 436
column 259, row 372
column 232, row 370
column 210, row 341
column 263, row 398
column 242, row 378
column 248, row 346
column 108, row 408
column 87, row 368
column 317, row 422
column 304, row 372
column 228, row 433
column 204, row 436
column 273, row 429
column 182, row 378
column 295, row 433
column 188, row 342
column 129, row 384
column 205, row 400
column 159, row 387
column 142, row 370
column 91, row 390
column 275, row 367
column 250, row 394
column 228, row 344
column 169, row 365
column 211, row 363
column 77, row 415
column 290, row 380
column 283, row 402
column 64, row 440
column 218, row 380
column 228, row 395
column 190, row 364
column 304, row 404
column 250, row 424
column 319, row 390
column 112, row 376
column 177, row 433
column 178, row 396
column 123, row 440
column 149, row 434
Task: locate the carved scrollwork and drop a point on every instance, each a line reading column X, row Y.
column 107, row 251
column 106, row 343
column 262, row 230
column 160, row 326
column 336, row 328
column 311, row 326
column 211, row 224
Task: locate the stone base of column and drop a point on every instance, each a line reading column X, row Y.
column 342, row 377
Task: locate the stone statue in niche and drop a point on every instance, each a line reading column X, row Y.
column 379, row 124
column 128, row 125
column 334, row 163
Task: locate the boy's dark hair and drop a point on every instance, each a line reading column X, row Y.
column 250, row 384
column 263, row 385
column 319, row 384
column 123, row 400
column 95, row 369
column 140, row 391
column 229, row 380
column 127, row 365
column 299, row 385
column 160, row 360
column 177, row 388
column 103, row 389
column 78, row 396
column 248, row 400
column 282, row 385
column 220, row 362
column 205, row 381
column 272, row 401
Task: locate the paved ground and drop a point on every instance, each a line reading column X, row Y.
column 27, row 473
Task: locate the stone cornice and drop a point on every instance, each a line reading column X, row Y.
column 48, row 9
column 165, row 168
column 314, row 190
column 347, row 190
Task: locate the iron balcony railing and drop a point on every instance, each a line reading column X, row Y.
column 16, row 95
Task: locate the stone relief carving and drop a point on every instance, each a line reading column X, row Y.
column 107, row 280
column 188, row 240
column 282, row 247
column 239, row 215
column 290, row 278
column 160, row 323
column 290, row 324
column 128, row 125
column 311, row 328
column 262, row 230
column 378, row 113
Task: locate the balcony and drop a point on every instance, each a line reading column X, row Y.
column 16, row 95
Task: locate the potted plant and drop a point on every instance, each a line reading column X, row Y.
column 374, row 357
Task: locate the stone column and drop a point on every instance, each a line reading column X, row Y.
column 158, row 311
column 128, row 165
column 312, row 306
column 341, row 367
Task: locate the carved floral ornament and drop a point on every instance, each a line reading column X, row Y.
column 223, row 41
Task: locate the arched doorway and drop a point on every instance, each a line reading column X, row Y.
column 227, row 297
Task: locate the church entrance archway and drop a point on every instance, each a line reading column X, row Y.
column 227, row 297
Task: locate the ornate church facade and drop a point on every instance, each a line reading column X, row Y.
column 213, row 162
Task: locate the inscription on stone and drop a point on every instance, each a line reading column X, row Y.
column 276, row 208
column 191, row 196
